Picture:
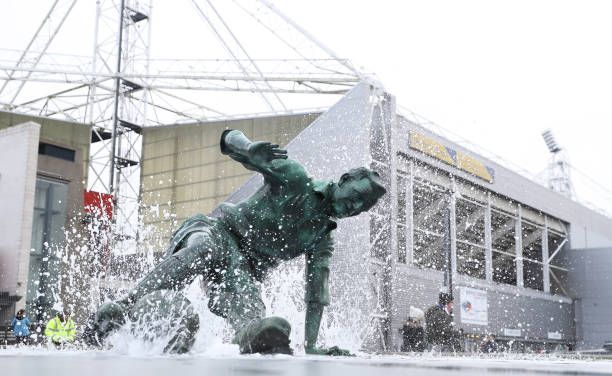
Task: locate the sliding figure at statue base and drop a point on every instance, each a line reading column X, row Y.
column 289, row 216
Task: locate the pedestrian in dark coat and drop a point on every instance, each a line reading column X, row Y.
column 440, row 330
column 413, row 333
column 488, row 344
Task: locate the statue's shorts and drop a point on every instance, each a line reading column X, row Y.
column 210, row 250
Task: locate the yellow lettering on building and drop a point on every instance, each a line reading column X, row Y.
column 473, row 166
column 436, row 149
column 430, row 147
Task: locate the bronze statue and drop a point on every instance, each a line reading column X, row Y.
column 289, row 216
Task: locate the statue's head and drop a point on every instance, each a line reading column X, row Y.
column 356, row 192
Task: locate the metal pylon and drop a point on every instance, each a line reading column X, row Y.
column 559, row 177
column 116, row 143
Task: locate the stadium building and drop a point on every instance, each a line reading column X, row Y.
column 523, row 262
column 508, row 241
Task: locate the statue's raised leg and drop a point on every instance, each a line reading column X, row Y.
column 173, row 273
column 213, row 253
column 161, row 313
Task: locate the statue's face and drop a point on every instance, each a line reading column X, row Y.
column 352, row 197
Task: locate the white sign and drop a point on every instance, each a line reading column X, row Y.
column 512, row 332
column 473, row 306
column 554, row 335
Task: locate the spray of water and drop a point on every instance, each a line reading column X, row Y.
column 92, row 273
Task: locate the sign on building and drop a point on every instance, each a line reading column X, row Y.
column 473, row 306
column 462, row 161
column 511, row 332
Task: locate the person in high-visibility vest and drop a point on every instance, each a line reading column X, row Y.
column 61, row 329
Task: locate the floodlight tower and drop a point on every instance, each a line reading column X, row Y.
column 559, row 179
column 119, row 119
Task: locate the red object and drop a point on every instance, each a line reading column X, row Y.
column 99, row 204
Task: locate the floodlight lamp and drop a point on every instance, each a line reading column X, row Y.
column 550, row 141
column 135, row 15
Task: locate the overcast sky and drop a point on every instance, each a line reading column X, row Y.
column 495, row 72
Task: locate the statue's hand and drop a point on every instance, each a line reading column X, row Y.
column 263, row 151
column 332, row 351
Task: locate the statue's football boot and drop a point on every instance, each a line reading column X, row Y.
column 265, row 336
column 110, row 316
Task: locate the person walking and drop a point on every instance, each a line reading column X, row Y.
column 21, row 327
column 61, row 329
column 413, row 333
column 488, row 344
column 440, row 329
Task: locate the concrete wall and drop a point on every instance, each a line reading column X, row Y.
column 509, row 307
column 591, row 282
column 355, row 132
column 184, row 173
column 18, row 153
column 76, row 136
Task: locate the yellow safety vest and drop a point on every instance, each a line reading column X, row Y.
column 58, row 332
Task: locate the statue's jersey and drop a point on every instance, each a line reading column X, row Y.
column 287, row 217
column 283, row 220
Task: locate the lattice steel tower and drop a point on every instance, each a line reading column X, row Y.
column 249, row 58
column 559, row 178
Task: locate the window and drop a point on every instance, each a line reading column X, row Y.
column 401, row 199
column 429, row 206
column 558, row 263
column 471, row 260
column 56, row 151
column 533, row 268
column 47, row 234
column 401, row 218
column 428, row 252
column 503, row 230
column 430, row 203
column 401, row 243
column 470, row 226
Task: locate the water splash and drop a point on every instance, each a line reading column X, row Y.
column 92, row 273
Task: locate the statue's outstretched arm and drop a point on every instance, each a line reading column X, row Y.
column 317, row 297
column 256, row 156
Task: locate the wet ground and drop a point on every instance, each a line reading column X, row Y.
column 43, row 362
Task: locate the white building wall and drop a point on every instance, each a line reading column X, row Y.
column 18, row 156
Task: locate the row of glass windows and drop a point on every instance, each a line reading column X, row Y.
column 47, row 230
column 424, row 209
